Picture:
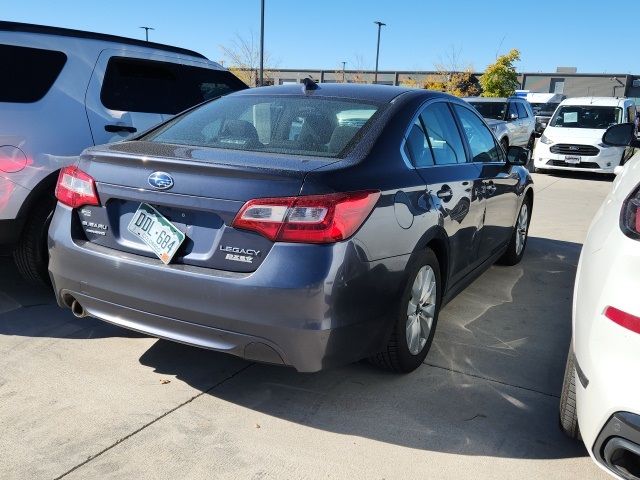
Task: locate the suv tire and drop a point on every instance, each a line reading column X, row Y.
column 31, row 255
column 416, row 319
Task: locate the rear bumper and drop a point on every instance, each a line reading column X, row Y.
column 307, row 306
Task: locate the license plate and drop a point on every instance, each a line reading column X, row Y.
column 155, row 230
column 572, row 159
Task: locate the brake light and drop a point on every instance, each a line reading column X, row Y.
column 630, row 216
column 308, row 219
column 624, row 319
column 75, row 188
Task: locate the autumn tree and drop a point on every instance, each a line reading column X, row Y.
column 243, row 57
column 500, row 79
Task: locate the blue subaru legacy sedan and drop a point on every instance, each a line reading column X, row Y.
column 304, row 225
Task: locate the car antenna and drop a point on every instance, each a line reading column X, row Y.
column 309, row 84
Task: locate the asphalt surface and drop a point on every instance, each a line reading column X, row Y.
column 81, row 399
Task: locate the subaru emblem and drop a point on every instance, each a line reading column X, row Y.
column 160, row 180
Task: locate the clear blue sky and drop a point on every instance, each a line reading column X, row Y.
column 594, row 36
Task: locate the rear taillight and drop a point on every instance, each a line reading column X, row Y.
column 309, row 219
column 630, row 215
column 624, row 319
column 75, row 188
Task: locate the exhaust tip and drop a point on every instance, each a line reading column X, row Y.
column 623, row 457
column 77, row 309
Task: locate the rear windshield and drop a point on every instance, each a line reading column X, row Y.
column 495, row 110
column 150, row 86
column 541, row 108
column 589, row 116
column 274, row 124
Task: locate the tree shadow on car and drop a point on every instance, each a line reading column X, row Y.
column 490, row 385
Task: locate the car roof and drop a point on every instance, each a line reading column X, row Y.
column 492, row 99
column 356, row 91
column 68, row 32
column 598, row 101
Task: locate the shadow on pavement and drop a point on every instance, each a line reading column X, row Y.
column 597, row 177
column 489, row 388
column 31, row 311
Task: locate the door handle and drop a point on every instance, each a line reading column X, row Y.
column 120, row 128
column 445, row 193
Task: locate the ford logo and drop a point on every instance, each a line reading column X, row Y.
column 160, row 180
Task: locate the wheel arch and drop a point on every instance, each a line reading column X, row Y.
column 437, row 240
column 47, row 185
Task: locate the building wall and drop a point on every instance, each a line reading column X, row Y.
column 570, row 84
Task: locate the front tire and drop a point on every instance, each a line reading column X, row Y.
column 31, row 255
column 518, row 243
column 415, row 322
column 568, row 407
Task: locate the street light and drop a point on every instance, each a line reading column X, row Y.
column 343, row 66
column 146, row 32
column 380, row 25
column 261, row 42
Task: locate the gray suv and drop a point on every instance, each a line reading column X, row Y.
column 71, row 89
column 511, row 119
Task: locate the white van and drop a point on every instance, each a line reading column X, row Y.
column 573, row 137
column 64, row 90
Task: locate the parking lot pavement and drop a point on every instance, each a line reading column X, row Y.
column 80, row 399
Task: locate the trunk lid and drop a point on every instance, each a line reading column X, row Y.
column 209, row 188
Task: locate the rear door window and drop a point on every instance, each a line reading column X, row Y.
column 483, row 146
column 150, row 86
column 417, row 144
column 443, row 134
column 33, row 72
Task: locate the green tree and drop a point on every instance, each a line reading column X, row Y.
column 500, row 78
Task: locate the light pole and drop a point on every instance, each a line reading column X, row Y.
column 146, row 32
column 343, row 66
column 375, row 75
column 261, row 42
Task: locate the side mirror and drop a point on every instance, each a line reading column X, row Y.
column 618, row 170
column 517, row 156
column 621, row 135
column 513, row 116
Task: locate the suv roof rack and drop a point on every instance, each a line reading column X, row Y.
column 69, row 32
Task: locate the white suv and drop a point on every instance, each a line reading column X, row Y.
column 66, row 90
column 573, row 137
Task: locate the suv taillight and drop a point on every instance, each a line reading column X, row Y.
column 308, row 219
column 75, row 188
column 630, row 215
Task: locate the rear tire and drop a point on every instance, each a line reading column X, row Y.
column 568, row 410
column 519, row 237
column 31, row 255
column 505, row 144
column 416, row 319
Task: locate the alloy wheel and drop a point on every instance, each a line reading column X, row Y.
column 421, row 309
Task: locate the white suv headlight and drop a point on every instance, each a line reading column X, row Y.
column 546, row 140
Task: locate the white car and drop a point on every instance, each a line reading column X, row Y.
column 65, row 90
column 600, row 399
column 573, row 137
